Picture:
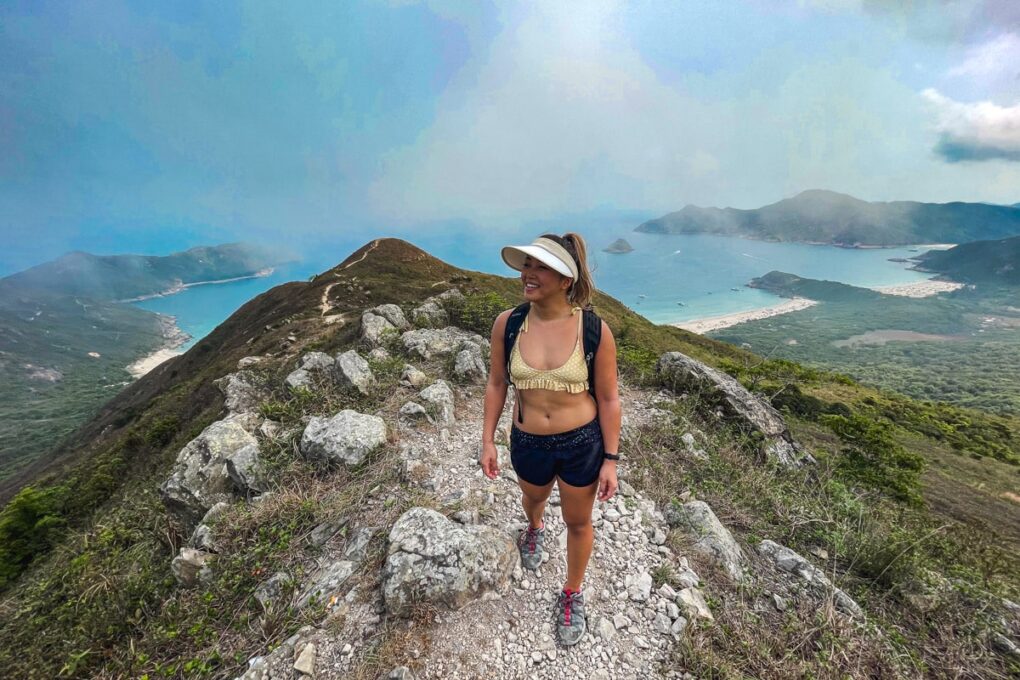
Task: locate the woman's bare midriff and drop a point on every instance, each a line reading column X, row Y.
column 551, row 412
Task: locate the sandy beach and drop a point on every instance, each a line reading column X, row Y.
column 919, row 289
column 174, row 337
column 714, row 323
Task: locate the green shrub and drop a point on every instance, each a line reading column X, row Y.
column 28, row 525
column 477, row 311
column 871, row 456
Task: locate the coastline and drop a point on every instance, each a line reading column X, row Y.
column 173, row 336
column 919, row 289
column 708, row 324
column 180, row 285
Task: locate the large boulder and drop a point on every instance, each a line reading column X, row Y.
column 393, row 314
column 711, row 538
column 200, row 479
column 347, row 437
column 469, row 365
column 439, row 399
column 790, row 561
column 375, row 327
column 430, row 342
column 352, row 371
column 681, row 373
column 240, row 394
column 433, row 559
column 311, row 365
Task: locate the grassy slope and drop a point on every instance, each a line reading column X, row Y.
column 105, row 476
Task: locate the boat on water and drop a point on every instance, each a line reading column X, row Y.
column 736, row 289
column 681, row 304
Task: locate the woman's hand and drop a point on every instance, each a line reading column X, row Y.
column 489, row 461
column 607, row 480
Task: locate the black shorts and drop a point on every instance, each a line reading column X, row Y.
column 575, row 456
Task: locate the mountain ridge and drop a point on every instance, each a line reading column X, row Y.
column 828, row 217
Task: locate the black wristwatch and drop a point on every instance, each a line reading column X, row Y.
column 611, row 456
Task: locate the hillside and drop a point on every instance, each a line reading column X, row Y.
column 995, row 262
column 123, row 277
column 107, row 574
column 65, row 341
column 819, row 216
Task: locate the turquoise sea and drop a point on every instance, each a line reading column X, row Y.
column 706, row 273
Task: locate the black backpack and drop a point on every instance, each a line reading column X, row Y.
column 592, row 336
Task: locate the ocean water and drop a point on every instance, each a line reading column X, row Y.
column 706, row 273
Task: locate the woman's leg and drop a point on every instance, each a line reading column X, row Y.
column 533, row 500
column 576, row 503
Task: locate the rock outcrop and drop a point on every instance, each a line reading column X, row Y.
column 683, row 374
column 790, row 561
column 710, row 537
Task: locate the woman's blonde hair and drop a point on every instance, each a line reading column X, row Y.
column 583, row 289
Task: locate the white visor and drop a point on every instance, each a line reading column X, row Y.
column 514, row 257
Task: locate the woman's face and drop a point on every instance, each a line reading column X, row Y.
column 541, row 281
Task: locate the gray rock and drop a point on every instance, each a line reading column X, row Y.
column 433, row 559
column 357, row 545
column 639, row 586
column 316, row 362
column 678, row 626
column 271, row 592
column 469, row 365
column 199, row 479
column 681, row 373
column 439, row 396
column 299, row 378
column 374, row 328
column 412, row 377
column 351, row 371
column 191, row 567
column 430, row 314
column 326, row 582
column 662, row 624
column 240, row 395
column 605, row 629
column 324, row 532
column 204, row 536
column 244, row 470
column 346, row 438
column 790, row 561
column 432, row 342
column 413, row 411
column 401, row 673
column 248, row 362
column 378, row 354
column 393, row 314
column 711, row 538
column 305, row 663
column 693, row 602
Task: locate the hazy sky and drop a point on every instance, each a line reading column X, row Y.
column 149, row 126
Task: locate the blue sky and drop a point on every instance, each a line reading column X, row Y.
column 148, row 127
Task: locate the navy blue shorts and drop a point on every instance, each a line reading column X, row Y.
column 575, row 456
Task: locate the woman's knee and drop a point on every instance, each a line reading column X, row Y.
column 578, row 525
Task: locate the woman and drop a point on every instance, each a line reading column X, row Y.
column 561, row 434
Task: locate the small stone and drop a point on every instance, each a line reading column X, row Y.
column 779, row 603
column 639, row 587
column 620, row 621
column 306, row 660
column 672, row 611
column 661, row 624
column 641, row 642
column 678, row 626
column 693, row 600
column 666, row 591
column 605, row 629
column 536, row 657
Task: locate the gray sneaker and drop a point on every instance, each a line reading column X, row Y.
column 570, row 621
column 529, row 542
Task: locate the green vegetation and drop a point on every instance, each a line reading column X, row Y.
column 881, row 550
column 819, row 216
column 995, row 262
column 967, row 356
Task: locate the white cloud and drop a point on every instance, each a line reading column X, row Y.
column 994, row 64
column 975, row 131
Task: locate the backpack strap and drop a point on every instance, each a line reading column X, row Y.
column 510, row 333
column 592, row 337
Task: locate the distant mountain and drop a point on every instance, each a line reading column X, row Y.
column 620, row 245
column 120, row 277
column 819, row 216
column 65, row 342
column 979, row 261
column 790, row 285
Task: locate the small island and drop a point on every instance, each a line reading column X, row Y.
column 618, row 246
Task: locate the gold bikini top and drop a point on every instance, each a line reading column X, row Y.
column 571, row 377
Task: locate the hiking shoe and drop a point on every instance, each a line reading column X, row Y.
column 529, row 542
column 570, row 621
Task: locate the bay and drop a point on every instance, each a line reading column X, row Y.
column 707, row 273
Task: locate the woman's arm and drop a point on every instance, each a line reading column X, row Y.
column 495, row 396
column 608, row 398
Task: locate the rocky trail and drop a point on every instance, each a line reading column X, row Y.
column 450, row 562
